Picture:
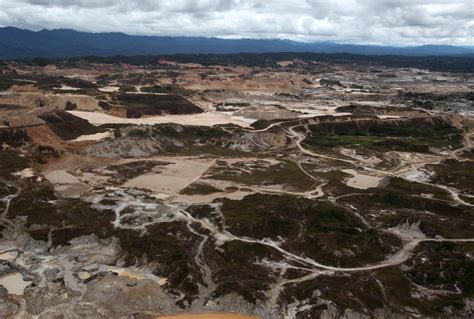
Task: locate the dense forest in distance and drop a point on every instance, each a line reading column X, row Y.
column 432, row 63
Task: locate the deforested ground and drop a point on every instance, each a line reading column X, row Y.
column 299, row 189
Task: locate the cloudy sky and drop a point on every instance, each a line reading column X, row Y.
column 399, row 22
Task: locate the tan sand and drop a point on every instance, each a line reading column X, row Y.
column 14, row 283
column 173, row 177
column 93, row 137
column 202, row 119
column 361, row 181
column 65, row 183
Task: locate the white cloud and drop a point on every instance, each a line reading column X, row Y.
column 360, row 21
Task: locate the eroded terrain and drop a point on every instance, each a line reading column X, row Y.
column 298, row 190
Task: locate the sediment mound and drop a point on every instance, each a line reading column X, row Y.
column 250, row 141
column 74, row 101
column 138, row 105
column 132, row 147
column 68, row 126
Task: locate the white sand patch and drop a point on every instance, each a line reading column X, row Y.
column 93, row 137
column 367, row 161
column 160, row 196
column 361, row 181
column 27, row 172
column 389, row 116
column 14, row 283
column 67, row 88
column 202, row 119
column 109, row 89
column 419, row 175
column 285, row 63
column 83, row 275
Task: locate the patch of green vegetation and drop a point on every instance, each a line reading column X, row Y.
column 199, row 189
column 456, row 174
column 139, row 132
column 390, row 208
column 167, row 89
column 401, row 185
column 449, row 268
column 409, row 137
column 11, row 162
column 286, row 173
column 358, row 292
column 371, row 142
column 127, row 88
column 237, row 272
column 6, row 82
column 315, row 229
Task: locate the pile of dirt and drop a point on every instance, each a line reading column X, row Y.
column 252, row 141
column 139, row 105
column 68, row 126
column 130, row 146
column 74, row 101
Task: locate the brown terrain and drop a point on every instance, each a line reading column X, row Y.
column 298, row 189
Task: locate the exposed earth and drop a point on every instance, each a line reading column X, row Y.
column 177, row 190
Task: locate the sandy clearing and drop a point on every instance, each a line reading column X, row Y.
column 361, row 181
column 173, row 177
column 65, row 183
column 14, row 283
column 61, row 177
column 202, row 119
column 109, row 89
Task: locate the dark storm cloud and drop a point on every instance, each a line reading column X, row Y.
column 362, row 21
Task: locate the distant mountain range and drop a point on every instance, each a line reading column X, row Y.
column 64, row 43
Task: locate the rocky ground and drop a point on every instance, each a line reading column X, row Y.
column 299, row 190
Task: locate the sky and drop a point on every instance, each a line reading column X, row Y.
column 395, row 22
